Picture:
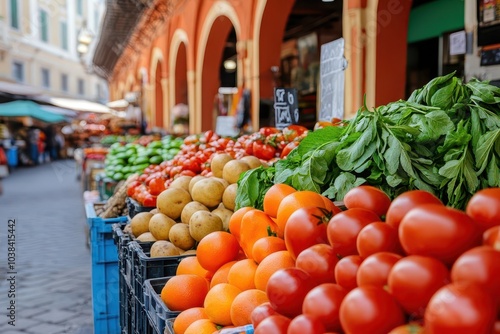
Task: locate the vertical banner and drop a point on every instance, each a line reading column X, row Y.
column 332, row 67
column 286, row 107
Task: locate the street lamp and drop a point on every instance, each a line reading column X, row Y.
column 84, row 40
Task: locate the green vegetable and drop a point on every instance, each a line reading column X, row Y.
column 252, row 185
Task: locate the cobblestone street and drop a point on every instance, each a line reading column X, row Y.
column 52, row 269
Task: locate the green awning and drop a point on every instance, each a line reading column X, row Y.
column 434, row 18
column 23, row 108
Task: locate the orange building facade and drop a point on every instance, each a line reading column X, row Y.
column 177, row 48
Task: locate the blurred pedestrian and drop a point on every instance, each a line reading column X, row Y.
column 60, row 143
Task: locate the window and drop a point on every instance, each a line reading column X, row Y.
column 64, row 82
column 18, row 71
column 14, row 14
column 45, row 78
column 64, row 36
column 79, row 7
column 81, row 87
column 44, row 26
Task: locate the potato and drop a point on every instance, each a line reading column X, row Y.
column 179, row 235
column 159, row 226
column 127, row 229
column 252, row 161
column 208, row 192
column 154, row 211
column 172, row 201
column 145, row 237
column 233, row 169
column 218, row 162
column 189, row 251
column 191, row 208
column 229, row 196
column 195, row 179
column 221, row 180
column 162, row 248
column 181, row 182
column 140, row 223
column 203, row 223
column 225, row 215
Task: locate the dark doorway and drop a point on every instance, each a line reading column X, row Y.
column 422, row 63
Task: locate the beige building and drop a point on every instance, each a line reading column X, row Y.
column 38, row 46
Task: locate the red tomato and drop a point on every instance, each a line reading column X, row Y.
column 306, row 227
column 286, row 290
column 132, row 187
column 405, row 202
column 460, row 309
column 480, row 265
column 263, row 151
column 408, row 329
column 496, row 330
column 369, row 198
column 261, row 312
column 491, row 237
column 484, row 207
column 346, row 271
column 156, row 186
column 438, row 231
column 268, row 130
column 370, row 309
column 378, row 237
column 319, row 261
column 288, row 148
column 343, row 229
column 305, row 324
column 324, row 302
column 149, row 201
column 276, row 324
column 414, row 279
column 374, row 270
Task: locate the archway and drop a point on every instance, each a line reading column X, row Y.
column 219, row 23
column 181, row 85
column 158, row 96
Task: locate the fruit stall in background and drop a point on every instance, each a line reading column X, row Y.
column 386, row 223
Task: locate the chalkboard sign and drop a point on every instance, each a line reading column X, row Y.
column 286, row 107
column 332, row 69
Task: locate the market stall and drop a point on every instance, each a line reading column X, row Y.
column 378, row 224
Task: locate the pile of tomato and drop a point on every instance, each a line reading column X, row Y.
column 411, row 265
column 267, row 144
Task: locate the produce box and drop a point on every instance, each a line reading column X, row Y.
column 126, row 304
column 156, row 310
column 140, row 323
column 121, row 240
column 105, row 274
column 144, row 267
column 134, row 207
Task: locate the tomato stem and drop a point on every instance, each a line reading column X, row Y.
column 270, row 232
column 325, row 216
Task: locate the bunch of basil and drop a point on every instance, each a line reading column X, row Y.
column 444, row 139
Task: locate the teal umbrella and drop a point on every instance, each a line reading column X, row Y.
column 23, row 108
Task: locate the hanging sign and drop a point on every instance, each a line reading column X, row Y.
column 332, row 67
column 286, row 107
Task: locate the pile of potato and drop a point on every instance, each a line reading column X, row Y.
column 192, row 207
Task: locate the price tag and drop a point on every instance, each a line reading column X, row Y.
column 286, row 107
column 332, row 67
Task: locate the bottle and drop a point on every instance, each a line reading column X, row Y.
column 247, row 329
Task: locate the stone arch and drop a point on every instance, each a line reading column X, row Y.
column 269, row 16
column 220, row 19
column 178, row 65
column 157, row 74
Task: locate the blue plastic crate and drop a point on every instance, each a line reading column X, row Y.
column 105, row 272
column 12, row 157
column 158, row 313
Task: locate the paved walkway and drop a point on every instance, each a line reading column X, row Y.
column 51, row 284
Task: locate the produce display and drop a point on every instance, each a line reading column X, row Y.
column 194, row 157
column 124, row 160
column 386, row 223
column 410, row 265
column 444, row 139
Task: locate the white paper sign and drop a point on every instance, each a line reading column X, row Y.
column 226, row 126
column 457, row 43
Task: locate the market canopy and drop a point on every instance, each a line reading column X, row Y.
column 24, row 108
column 18, row 89
column 78, row 105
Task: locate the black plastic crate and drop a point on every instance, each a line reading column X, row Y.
column 158, row 313
column 140, row 322
column 126, row 300
column 134, row 207
column 144, row 267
